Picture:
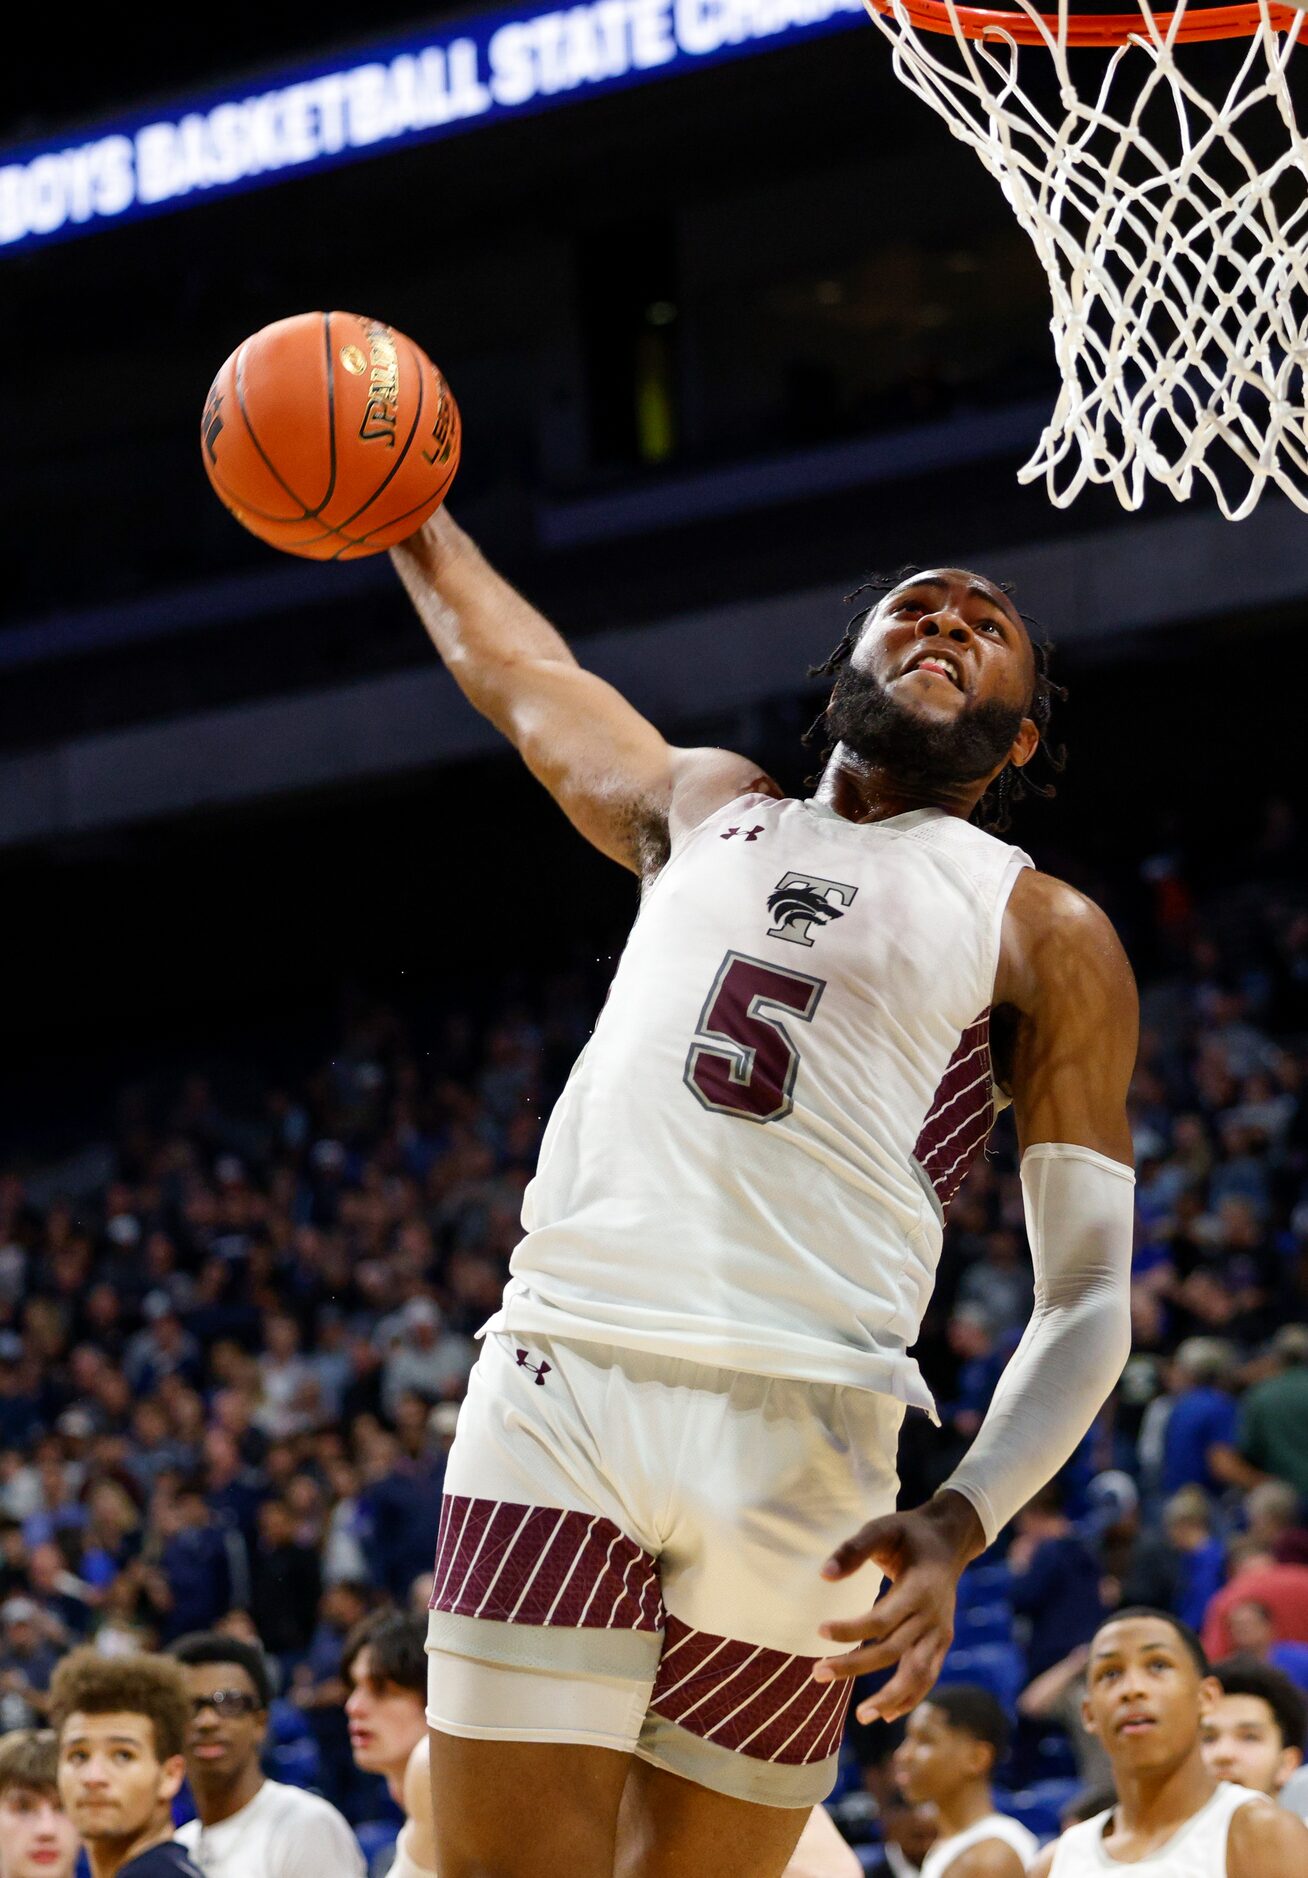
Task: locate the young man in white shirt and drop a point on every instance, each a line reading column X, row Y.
column 248, row 1826
column 385, row 1668
column 1254, row 1734
column 951, row 1746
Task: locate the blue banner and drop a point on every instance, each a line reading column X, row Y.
column 475, row 71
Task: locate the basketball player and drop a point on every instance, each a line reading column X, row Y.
column 949, row 1752
column 245, row 1825
column 122, row 1724
column 1147, row 1691
column 691, row 1397
column 385, row 1666
column 1255, row 1732
column 37, row 1838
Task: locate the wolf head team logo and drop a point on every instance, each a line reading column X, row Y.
column 802, row 901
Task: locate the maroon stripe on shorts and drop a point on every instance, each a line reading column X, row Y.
column 542, row 1565
column 961, row 1114
column 755, row 1701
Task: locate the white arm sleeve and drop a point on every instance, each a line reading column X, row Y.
column 1079, row 1217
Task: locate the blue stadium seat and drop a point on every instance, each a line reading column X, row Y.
column 982, row 1623
column 995, row 1666
column 985, row 1584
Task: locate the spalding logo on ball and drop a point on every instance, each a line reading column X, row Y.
column 330, row 435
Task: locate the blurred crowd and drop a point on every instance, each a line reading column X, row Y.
column 233, row 1340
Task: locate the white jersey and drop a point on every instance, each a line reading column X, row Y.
column 284, row 1832
column 750, row 1163
column 1010, row 1832
column 1196, row 1850
column 406, row 1865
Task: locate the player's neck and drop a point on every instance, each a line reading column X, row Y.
column 217, row 1803
column 1158, row 1801
column 964, row 1807
column 107, row 1857
column 862, row 791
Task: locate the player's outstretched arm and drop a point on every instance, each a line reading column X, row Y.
column 1063, row 970
column 1266, row 1842
column 613, row 774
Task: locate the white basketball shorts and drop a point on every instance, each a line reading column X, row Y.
column 629, row 1556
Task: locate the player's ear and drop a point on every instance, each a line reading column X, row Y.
column 172, row 1773
column 1210, row 1694
column 1087, row 1715
column 1025, row 744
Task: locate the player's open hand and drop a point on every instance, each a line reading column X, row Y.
column 922, row 1553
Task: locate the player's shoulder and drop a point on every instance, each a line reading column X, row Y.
column 705, row 779
column 1058, row 940
column 988, row 1858
column 1045, row 902
column 1044, row 1862
column 1266, row 1841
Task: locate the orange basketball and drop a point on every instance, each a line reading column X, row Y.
column 330, row 435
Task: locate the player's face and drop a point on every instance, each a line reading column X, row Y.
column 1242, row 1742
column 934, row 1759
column 37, row 1838
column 386, row 1721
column 111, row 1780
column 228, row 1722
column 1144, row 1695
column 940, row 680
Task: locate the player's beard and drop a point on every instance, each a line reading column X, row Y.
column 923, row 752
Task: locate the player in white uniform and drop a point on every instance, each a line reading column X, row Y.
column 951, row 1746
column 247, row 1826
column 1147, row 1692
column 692, row 1395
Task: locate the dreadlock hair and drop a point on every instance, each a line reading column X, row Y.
column 994, row 811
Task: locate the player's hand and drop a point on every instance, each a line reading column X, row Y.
column 922, row 1553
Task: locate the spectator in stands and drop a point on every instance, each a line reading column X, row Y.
column 286, row 1583
column 1273, row 1521
column 1056, row 1587
column 248, row 1826
column 952, row 1745
column 1200, row 1430
column 122, row 1727
column 1200, row 1562
column 1253, row 1634
column 37, row 1838
column 202, row 1563
column 425, row 1359
column 1273, row 1437
column 27, row 1662
column 1255, row 1734
column 1057, row 1695
column 1258, row 1578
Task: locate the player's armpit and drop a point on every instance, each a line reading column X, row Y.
column 1063, row 969
column 613, row 774
column 1266, row 1842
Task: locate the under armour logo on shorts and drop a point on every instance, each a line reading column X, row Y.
column 539, row 1370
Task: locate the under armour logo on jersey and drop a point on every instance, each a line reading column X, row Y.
column 802, row 901
column 539, row 1370
column 750, row 834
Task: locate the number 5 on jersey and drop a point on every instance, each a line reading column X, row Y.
column 742, row 1061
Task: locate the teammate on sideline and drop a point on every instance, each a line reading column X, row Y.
column 122, row 1724
column 385, row 1668
column 691, row 1397
column 953, row 1742
column 248, row 1826
column 1148, row 1689
column 37, row 1838
column 1254, row 1734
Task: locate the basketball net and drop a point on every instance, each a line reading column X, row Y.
column 1177, row 263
